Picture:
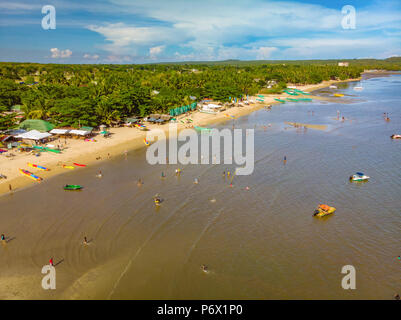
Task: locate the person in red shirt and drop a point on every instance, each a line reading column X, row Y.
column 51, row 261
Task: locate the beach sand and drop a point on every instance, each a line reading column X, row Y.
column 121, row 140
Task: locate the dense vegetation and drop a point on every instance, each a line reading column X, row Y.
column 69, row 95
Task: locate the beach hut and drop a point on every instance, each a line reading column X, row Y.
column 33, row 124
column 34, row 135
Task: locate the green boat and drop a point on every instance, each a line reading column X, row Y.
column 202, row 128
column 279, row 100
column 292, row 100
column 46, row 149
column 72, row 187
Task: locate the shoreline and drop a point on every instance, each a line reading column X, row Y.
column 122, row 139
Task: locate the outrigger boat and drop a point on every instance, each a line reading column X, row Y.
column 67, row 167
column 37, row 167
column 279, row 100
column 72, row 187
column 202, row 129
column 79, row 165
column 396, row 136
column 359, row 176
column 30, row 175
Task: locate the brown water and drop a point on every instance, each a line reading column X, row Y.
column 261, row 243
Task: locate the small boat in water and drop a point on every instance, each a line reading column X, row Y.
column 72, row 187
column 396, row 136
column 333, row 87
column 358, row 88
column 359, row 176
column 338, row 95
column 323, row 210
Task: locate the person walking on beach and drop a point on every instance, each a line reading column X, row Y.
column 51, row 262
column 3, row 238
column 10, row 188
column 85, row 240
column 139, row 182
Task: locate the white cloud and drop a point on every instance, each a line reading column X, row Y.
column 56, row 53
column 91, row 57
column 225, row 29
column 265, row 52
column 154, row 51
column 118, row 59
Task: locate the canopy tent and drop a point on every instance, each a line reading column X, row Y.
column 89, row 129
column 34, row 135
column 131, row 120
column 59, row 131
column 38, row 125
column 80, row 132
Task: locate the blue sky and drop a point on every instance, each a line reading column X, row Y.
column 144, row 31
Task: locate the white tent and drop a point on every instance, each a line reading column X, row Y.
column 34, row 135
column 59, row 131
column 80, row 132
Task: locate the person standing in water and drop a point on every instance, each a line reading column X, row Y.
column 285, row 159
column 85, row 240
column 3, row 238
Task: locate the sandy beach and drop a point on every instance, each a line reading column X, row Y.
column 122, row 139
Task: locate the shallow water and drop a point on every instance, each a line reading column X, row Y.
column 261, row 243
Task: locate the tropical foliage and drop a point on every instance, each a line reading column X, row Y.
column 73, row 95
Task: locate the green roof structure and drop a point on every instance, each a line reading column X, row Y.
column 33, row 124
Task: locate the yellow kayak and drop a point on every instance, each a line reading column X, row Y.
column 338, row 95
column 321, row 213
column 68, row 167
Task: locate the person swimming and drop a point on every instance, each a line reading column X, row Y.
column 157, row 199
column 204, row 268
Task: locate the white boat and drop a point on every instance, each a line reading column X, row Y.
column 358, row 88
column 396, row 136
column 359, row 176
column 333, row 87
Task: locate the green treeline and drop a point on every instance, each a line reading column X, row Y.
column 69, row 95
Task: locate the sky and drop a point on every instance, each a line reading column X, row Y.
column 147, row 31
